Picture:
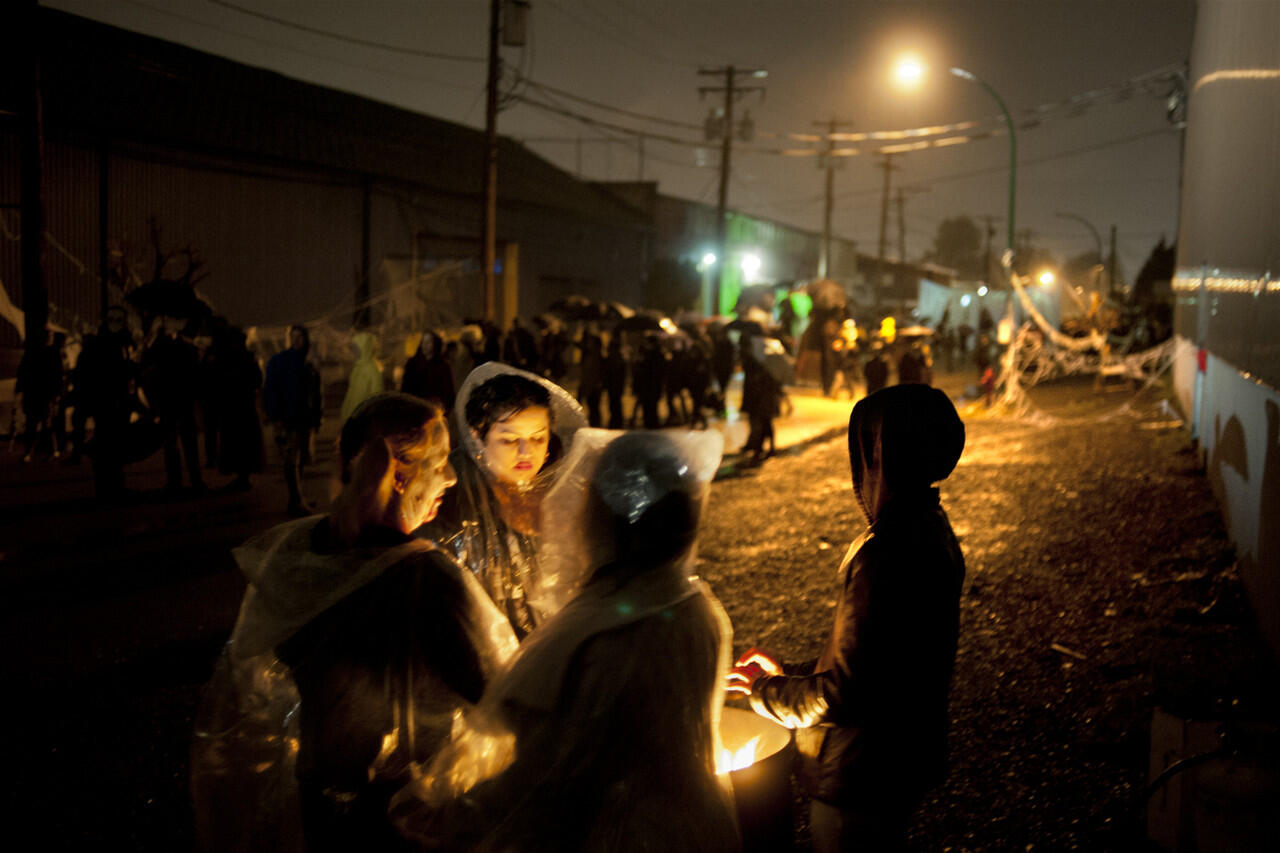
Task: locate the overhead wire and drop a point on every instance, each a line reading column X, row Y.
column 378, row 45
column 292, row 49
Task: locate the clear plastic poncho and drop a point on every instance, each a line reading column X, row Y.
column 495, row 530
column 603, row 732
column 246, row 744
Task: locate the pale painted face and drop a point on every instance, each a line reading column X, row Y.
column 516, row 449
column 422, row 476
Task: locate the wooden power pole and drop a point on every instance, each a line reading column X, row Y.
column 731, row 90
column 828, row 160
column 489, row 228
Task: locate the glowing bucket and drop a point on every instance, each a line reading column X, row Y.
column 757, row 756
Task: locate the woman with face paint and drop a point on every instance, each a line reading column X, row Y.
column 357, row 643
column 513, row 429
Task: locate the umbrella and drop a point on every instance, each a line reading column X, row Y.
column 577, row 308
column 746, row 327
column 617, row 309
column 827, row 295
column 639, row 323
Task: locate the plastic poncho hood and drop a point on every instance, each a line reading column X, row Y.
column 567, row 416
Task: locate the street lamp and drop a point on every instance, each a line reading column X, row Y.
column 910, row 71
column 1047, row 278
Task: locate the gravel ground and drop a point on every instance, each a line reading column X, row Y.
column 1098, row 535
column 1099, row 584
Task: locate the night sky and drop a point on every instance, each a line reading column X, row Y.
column 1113, row 162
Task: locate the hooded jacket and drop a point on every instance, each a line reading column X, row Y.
column 366, row 376
column 872, row 717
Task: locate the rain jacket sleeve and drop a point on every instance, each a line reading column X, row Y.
column 873, row 714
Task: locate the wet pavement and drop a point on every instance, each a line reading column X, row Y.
column 1075, row 536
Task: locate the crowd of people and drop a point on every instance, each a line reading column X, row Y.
column 493, row 639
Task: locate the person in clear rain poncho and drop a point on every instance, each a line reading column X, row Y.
column 602, row 733
column 356, row 647
column 514, row 428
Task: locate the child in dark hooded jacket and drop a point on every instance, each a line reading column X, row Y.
column 872, row 718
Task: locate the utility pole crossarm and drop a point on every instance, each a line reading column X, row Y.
column 729, row 73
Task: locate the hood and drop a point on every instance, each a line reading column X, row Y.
column 902, row 440
column 365, row 344
column 566, row 414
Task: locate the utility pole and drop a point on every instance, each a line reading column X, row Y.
column 887, row 165
column 35, row 299
column 828, row 160
column 509, row 26
column 1111, row 265
column 903, row 192
column 489, row 228
column 730, row 90
column 902, row 228
column 988, row 232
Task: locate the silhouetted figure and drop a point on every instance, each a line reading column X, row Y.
column 647, row 377
column 876, row 370
column 291, row 398
column 760, row 398
column 615, row 379
column 871, row 720
column 697, row 378
column 673, row 382
column 170, row 374
column 40, row 384
column 520, row 349
column 591, row 375
column 911, row 366
column 238, row 381
column 428, row 374
column 723, row 357
column 555, row 351
column 207, row 402
column 105, row 374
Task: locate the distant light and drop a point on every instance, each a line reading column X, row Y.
column 708, row 259
column 760, row 75
column 910, row 71
column 1046, row 278
column 750, row 265
column 965, row 300
column 982, row 291
column 888, row 329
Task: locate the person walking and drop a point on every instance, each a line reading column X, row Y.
column 170, row 377
column 615, row 379
column 291, row 398
column 591, row 375
column 237, row 383
column 428, row 374
column 871, row 719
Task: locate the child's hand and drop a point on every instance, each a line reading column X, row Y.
column 747, row 669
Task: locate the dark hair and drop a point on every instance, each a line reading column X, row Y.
column 399, row 417
column 501, row 397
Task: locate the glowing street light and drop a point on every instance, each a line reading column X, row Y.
column 911, row 71
column 1047, row 278
column 708, row 261
column 750, row 265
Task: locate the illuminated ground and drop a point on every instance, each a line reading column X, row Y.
column 1100, row 584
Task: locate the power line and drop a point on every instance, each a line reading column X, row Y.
column 407, row 51
column 630, row 114
column 282, row 46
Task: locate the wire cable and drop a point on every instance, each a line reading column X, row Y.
column 407, row 51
